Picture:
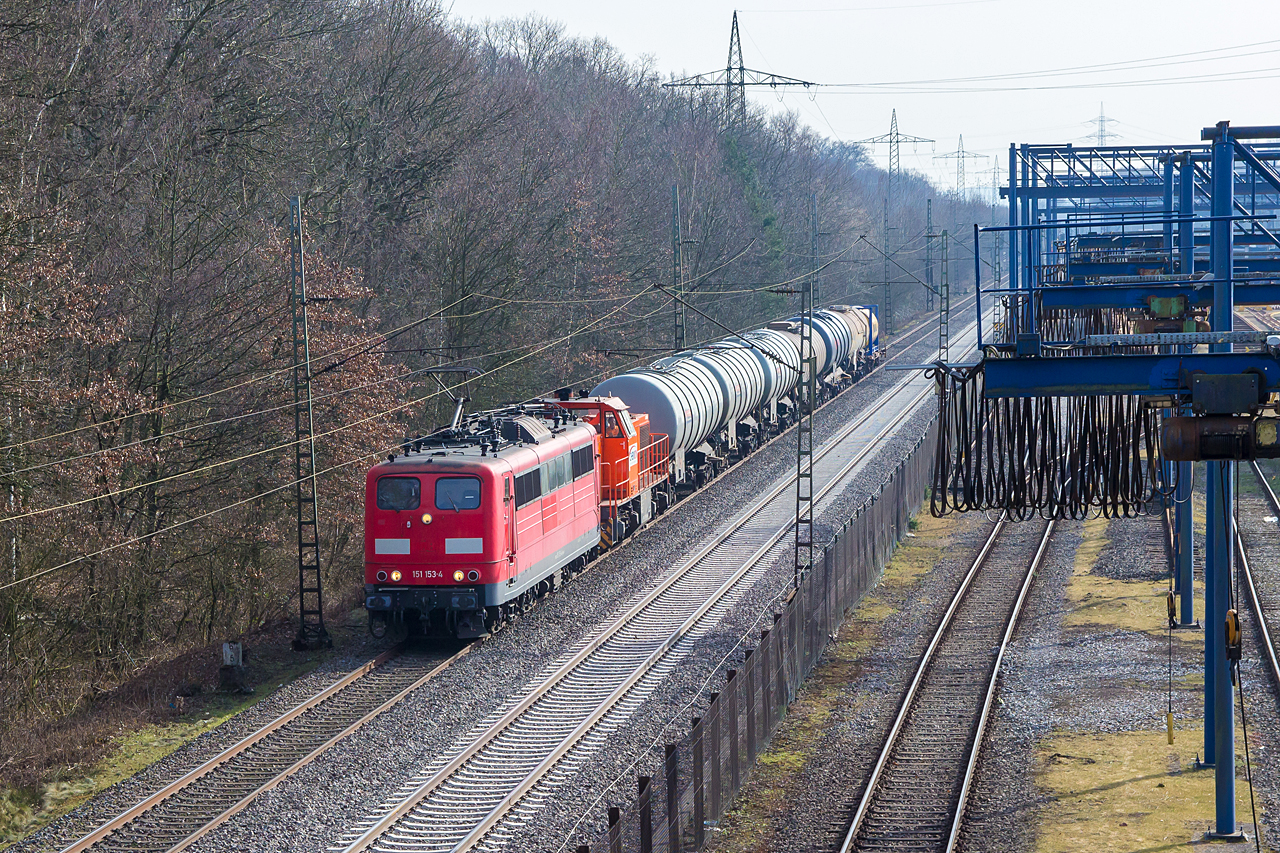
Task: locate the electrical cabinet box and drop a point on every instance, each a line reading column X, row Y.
column 1224, row 394
column 1027, row 344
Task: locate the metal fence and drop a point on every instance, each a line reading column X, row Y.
column 703, row 770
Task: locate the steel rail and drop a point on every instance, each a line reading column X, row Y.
column 371, row 834
column 908, row 701
column 1251, row 319
column 886, row 751
column 232, row 751
column 989, row 700
column 612, row 629
column 145, row 805
column 315, row 753
column 614, row 698
column 128, row 816
column 1267, row 643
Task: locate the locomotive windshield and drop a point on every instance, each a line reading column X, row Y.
column 398, row 493
column 457, row 493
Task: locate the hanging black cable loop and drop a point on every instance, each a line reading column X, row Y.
column 1052, row 457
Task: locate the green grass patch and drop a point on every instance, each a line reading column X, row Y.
column 25, row 810
column 1097, row 601
column 1126, row 793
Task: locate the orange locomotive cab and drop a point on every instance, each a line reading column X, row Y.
column 634, row 464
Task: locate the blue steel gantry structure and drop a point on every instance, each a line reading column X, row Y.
column 1126, row 264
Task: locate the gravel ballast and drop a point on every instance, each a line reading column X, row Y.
column 312, row 809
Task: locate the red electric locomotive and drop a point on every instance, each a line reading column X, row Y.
column 471, row 524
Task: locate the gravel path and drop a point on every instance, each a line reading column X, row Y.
column 312, row 808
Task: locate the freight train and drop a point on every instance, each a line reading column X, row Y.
column 467, row 527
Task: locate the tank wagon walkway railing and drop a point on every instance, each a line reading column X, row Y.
column 703, row 771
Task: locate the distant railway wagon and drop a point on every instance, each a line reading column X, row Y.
column 468, row 526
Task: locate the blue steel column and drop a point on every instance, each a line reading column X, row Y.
column 1182, row 523
column 1170, row 468
column 1186, row 209
column 1184, row 546
column 1014, row 236
column 1024, row 268
column 1034, row 237
column 1219, row 486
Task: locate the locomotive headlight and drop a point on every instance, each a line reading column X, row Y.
column 458, row 576
column 426, row 518
column 395, row 576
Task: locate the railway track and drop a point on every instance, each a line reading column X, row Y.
column 189, row 807
column 914, row 799
column 480, row 794
column 1262, row 543
column 184, row 811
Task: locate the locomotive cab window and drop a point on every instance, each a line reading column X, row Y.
column 611, row 429
column 399, row 493
column 458, row 493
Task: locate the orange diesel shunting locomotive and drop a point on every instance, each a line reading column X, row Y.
column 633, row 464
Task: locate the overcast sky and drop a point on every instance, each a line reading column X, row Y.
column 880, row 41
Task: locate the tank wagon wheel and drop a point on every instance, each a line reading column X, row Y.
column 663, row 497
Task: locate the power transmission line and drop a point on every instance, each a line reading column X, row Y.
column 894, row 140
column 365, row 456
column 1092, row 68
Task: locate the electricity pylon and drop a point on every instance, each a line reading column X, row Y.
column 735, row 78
column 894, row 139
column 959, row 155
